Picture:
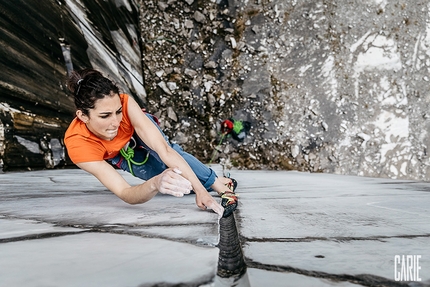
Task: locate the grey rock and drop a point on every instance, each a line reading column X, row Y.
column 162, row 5
column 190, row 73
column 295, row 150
column 180, row 138
column 208, row 85
column 210, row 65
column 199, row 17
column 188, row 24
column 171, row 114
column 164, row 87
column 171, row 86
column 159, row 73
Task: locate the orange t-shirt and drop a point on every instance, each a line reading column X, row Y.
column 83, row 146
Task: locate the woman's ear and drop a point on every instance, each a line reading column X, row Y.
column 83, row 117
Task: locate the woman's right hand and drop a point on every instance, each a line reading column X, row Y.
column 172, row 182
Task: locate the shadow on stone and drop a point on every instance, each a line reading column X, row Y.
column 231, row 264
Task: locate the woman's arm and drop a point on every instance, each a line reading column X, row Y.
column 152, row 137
column 168, row 182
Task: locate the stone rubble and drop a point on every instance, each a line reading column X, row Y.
column 327, row 88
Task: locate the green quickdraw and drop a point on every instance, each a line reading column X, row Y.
column 128, row 156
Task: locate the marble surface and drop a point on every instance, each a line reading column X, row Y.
column 63, row 228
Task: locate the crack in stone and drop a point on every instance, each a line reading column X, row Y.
column 131, row 230
column 109, row 228
column 381, row 238
column 231, row 264
column 203, row 282
column 361, row 279
column 397, row 182
column 100, row 229
column 53, row 194
column 40, row 236
column 143, row 234
column 120, row 225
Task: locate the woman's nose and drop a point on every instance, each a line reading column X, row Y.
column 116, row 120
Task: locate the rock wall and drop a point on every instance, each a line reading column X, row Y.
column 328, row 87
column 40, row 41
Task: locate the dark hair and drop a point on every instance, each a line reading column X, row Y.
column 88, row 86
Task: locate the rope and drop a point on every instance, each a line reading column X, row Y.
column 216, row 148
column 129, row 155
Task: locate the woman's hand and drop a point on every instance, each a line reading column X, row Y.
column 168, row 182
column 206, row 201
column 172, row 182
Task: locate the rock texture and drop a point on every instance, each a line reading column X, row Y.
column 327, row 87
column 40, row 41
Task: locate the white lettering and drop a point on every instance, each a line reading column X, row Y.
column 418, row 268
column 403, row 270
column 396, row 273
column 409, row 267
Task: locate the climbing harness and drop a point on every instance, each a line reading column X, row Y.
column 127, row 151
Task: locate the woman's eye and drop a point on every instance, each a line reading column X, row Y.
column 119, row 112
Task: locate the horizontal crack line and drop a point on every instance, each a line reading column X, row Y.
column 338, row 239
column 40, row 236
column 112, row 228
column 102, row 230
column 362, row 279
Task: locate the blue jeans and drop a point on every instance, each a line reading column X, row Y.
column 154, row 165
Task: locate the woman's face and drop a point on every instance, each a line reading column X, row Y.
column 103, row 121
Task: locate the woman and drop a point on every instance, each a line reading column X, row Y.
column 108, row 125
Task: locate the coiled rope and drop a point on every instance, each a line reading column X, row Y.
column 128, row 155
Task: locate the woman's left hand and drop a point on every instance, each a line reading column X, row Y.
column 171, row 182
